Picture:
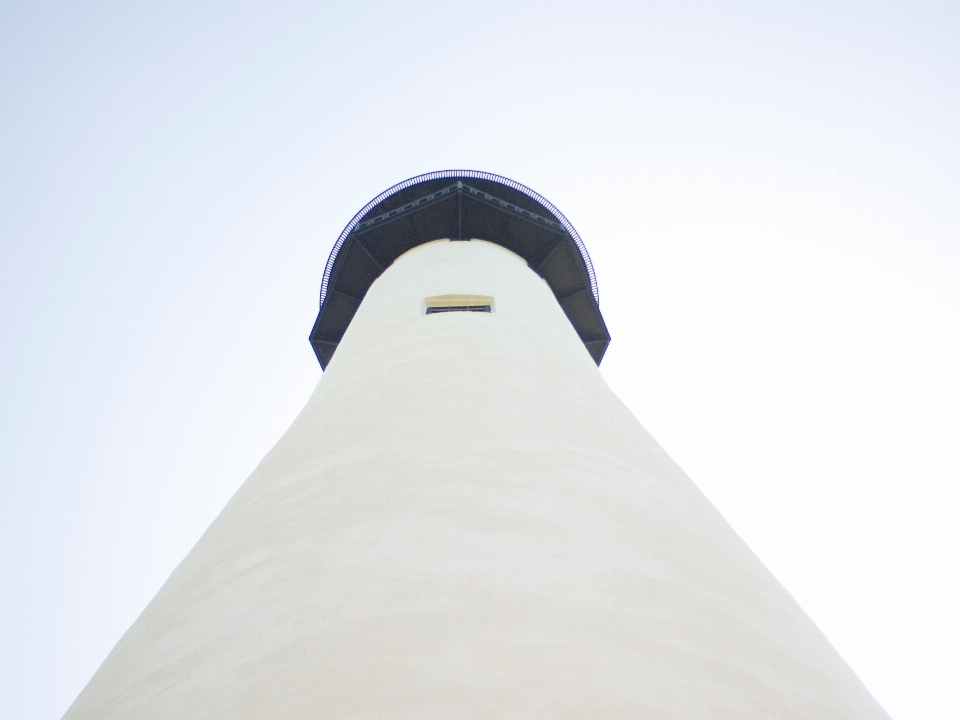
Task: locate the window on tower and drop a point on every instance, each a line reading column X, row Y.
column 458, row 303
column 458, row 308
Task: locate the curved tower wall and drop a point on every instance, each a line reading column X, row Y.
column 465, row 522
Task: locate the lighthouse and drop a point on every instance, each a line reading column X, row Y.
column 464, row 521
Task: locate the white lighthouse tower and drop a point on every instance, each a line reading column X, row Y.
column 464, row 521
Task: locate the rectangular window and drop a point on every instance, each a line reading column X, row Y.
column 458, row 308
column 458, row 303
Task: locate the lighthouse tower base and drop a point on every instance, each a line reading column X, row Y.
column 465, row 522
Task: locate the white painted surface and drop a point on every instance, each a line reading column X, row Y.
column 464, row 521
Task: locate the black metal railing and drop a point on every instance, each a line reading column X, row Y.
column 359, row 223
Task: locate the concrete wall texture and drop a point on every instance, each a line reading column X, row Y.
column 465, row 522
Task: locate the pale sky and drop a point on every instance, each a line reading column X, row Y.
column 770, row 193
